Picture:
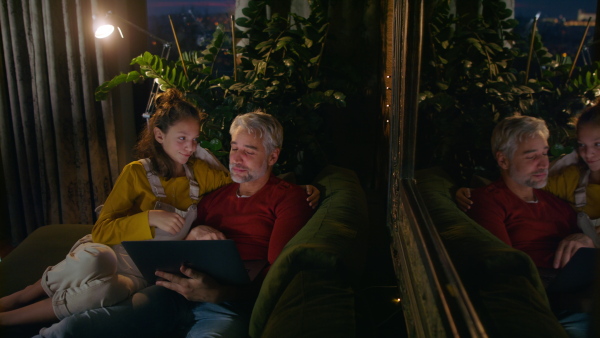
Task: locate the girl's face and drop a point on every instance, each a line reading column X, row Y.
column 180, row 140
column 588, row 139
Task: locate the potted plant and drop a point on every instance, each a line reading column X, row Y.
column 474, row 73
column 277, row 71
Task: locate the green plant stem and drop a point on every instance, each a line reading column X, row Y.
column 321, row 53
column 488, row 57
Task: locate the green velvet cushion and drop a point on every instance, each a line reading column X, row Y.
column 314, row 304
column 44, row 247
column 332, row 240
column 502, row 282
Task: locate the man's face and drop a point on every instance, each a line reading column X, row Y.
column 248, row 159
column 529, row 164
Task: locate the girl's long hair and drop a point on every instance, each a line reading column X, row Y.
column 589, row 116
column 171, row 107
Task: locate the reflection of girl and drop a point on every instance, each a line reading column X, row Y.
column 575, row 177
column 578, row 182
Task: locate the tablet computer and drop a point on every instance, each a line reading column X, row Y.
column 219, row 259
column 579, row 272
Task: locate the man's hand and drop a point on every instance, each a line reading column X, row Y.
column 463, row 199
column 165, row 220
column 313, row 195
column 568, row 246
column 204, row 232
column 199, row 287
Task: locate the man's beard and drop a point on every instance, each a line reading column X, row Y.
column 536, row 185
column 530, row 182
column 250, row 175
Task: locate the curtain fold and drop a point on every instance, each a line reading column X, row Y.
column 54, row 148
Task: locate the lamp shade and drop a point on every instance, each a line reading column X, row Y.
column 104, row 30
column 104, row 27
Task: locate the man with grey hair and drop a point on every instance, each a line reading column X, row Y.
column 514, row 209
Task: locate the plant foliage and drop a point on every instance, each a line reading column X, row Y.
column 277, row 72
column 474, row 73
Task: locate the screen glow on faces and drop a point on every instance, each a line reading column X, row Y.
column 247, row 157
column 588, row 147
column 180, row 140
column 529, row 164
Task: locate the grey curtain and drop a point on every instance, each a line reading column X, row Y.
column 56, row 153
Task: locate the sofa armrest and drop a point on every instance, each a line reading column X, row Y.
column 502, row 282
column 316, row 303
column 332, row 241
column 44, row 247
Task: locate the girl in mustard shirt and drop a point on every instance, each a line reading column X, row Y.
column 154, row 198
column 576, row 177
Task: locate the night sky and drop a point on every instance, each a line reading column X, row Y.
column 172, row 6
column 554, row 8
column 524, row 8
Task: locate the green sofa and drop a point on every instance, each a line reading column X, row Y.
column 502, row 283
column 308, row 292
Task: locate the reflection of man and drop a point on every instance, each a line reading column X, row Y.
column 514, row 209
column 526, row 218
column 260, row 212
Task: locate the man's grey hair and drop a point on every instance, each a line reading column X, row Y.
column 261, row 125
column 511, row 131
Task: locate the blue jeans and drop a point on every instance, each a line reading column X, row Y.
column 577, row 324
column 221, row 320
column 156, row 312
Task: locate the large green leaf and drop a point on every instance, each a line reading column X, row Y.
column 103, row 90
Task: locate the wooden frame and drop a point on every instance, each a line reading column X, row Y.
column 434, row 300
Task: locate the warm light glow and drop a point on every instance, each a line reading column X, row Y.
column 104, row 31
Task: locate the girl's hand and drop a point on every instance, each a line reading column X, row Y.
column 463, row 199
column 204, row 232
column 167, row 221
column 313, row 195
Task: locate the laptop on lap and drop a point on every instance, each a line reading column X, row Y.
column 219, row 259
column 579, row 272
